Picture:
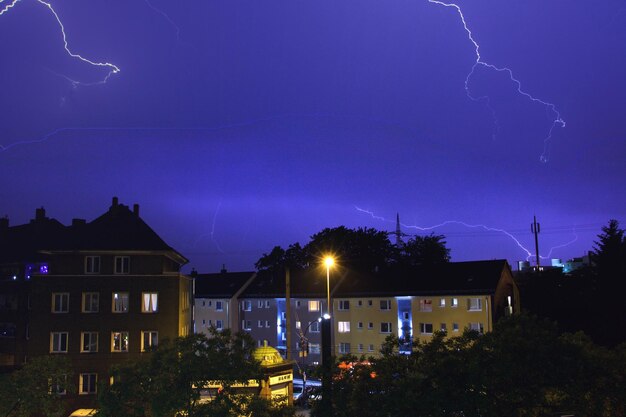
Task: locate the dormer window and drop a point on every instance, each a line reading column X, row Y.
column 122, row 264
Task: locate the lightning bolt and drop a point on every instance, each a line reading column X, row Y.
column 529, row 254
column 166, row 17
column 113, row 69
column 557, row 121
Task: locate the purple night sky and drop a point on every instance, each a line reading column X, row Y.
column 240, row 125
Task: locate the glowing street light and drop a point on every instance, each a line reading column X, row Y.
column 329, row 261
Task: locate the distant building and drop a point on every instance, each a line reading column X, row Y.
column 567, row 267
column 366, row 308
column 100, row 292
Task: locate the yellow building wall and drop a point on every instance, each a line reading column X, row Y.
column 367, row 338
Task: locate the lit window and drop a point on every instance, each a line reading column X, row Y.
column 426, row 305
column 344, row 326
column 87, row 384
column 119, row 342
column 219, row 306
column 149, row 302
column 92, row 264
column 149, row 340
column 442, row 302
column 246, row 305
column 89, row 342
column 344, row 305
column 314, row 305
column 60, row 302
column 385, row 327
column 122, row 264
column 474, row 304
column 58, row 342
column 344, row 347
column 426, row 328
column 454, row 302
column 91, row 302
column 120, row 302
column 314, row 348
column 477, row 327
column 385, row 304
column 298, row 325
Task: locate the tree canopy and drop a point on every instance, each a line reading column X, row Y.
column 360, row 249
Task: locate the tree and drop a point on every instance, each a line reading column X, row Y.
column 425, row 250
column 38, row 387
column 609, row 253
column 171, row 379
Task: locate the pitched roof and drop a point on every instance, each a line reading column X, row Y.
column 220, row 285
column 474, row 277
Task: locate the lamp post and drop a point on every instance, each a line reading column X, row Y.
column 326, row 401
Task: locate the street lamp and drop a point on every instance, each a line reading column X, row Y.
column 329, row 261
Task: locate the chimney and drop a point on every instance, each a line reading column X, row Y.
column 40, row 213
column 115, row 202
column 223, row 271
column 4, row 223
column 136, row 209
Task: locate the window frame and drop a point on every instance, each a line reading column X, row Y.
column 219, row 305
column 83, row 337
column 343, row 327
column 122, row 344
column 388, row 325
column 426, row 305
column 85, row 304
column 474, row 304
column 121, row 265
column 89, row 379
column 153, row 336
column 424, row 328
column 153, row 302
column 64, row 306
column 314, row 305
column 344, row 348
column 92, row 267
column 120, row 295
column 385, row 305
column 344, row 305
column 63, row 337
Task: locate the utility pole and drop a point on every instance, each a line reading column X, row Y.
column 288, row 310
column 535, row 228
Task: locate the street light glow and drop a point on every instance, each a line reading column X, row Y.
column 329, row 261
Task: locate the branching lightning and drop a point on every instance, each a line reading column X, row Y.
column 113, row 69
column 528, row 253
column 166, row 17
column 557, row 121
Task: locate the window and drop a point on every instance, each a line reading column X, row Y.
column 370, row 303
column 89, row 342
column 91, row 302
column 298, row 304
column 360, row 325
column 360, row 347
column 260, row 303
column 344, row 305
column 58, row 342
column 344, row 326
column 60, row 302
column 315, row 327
column 122, row 264
column 149, row 302
column 149, row 340
column 406, row 315
column 267, row 303
column 454, row 302
column 120, row 302
column 477, row 327
column 267, row 324
column 443, row 327
column 474, row 304
column 298, row 325
column 426, row 328
column 92, row 264
column 209, row 303
column 314, row 305
column 426, row 305
column 370, row 348
column 359, row 303
column 219, row 305
column 260, row 324
column 455, row 327
column 246, row 305
column 87, row 384
column 385, row 327
column 8, row 330
column 370, row 325
column 246, row 324
column 442, row 302
column 344, row 347
column 385, row 305
column 314, row 348
column 57, row 385
column 219, row 324
column 119, row 342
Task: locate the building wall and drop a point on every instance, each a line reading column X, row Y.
column 207, row 313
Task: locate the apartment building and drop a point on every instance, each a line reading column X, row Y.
column 100, row 292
